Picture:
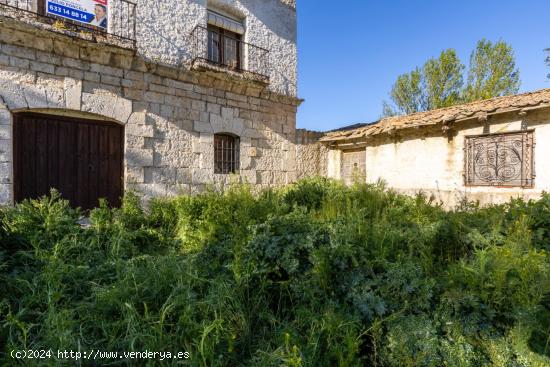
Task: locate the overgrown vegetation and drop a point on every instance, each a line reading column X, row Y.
column 315, row 274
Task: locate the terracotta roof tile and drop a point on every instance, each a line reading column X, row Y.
column 537, row 99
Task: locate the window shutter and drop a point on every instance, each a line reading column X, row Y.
column 224, row 22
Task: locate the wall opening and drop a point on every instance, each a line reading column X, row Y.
column 81, row 158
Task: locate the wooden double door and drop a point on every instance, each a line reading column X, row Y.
column 82, row 159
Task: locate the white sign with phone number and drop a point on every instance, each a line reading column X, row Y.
column 91, row 12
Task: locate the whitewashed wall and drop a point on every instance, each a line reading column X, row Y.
column 418, row 161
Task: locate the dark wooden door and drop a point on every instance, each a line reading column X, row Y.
column 82, row 159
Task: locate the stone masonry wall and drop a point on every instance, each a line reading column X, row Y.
column 170, row 114
column 311, row 156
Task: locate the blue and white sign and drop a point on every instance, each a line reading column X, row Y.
column 91, row 12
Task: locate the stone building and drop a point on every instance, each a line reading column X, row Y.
column 160, row 97
column 165, row 97
column 486, row 151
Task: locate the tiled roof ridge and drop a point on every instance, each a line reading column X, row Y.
column 473, row 103
column 447, row 114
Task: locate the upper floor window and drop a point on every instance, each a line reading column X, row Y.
column 220, row 46
column 500, row 160
column 226, row 154
column 224, row 47
column 225, row 40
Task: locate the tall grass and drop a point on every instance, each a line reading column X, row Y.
column 314, row 274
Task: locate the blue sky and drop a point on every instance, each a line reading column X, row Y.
column 350, row 53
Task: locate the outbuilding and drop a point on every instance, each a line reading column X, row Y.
column 487, row 151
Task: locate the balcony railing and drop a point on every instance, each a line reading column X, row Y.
column 120, row 24
column 217, row 50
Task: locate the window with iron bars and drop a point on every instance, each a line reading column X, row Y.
column 226, row 154
column 505, row 160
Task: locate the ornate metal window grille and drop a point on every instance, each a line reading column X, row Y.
column 500, row 160
column 226, row 154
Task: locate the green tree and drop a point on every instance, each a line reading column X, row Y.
column 443, row 80
column 407, row 94
column 440, row 82
column 492, row 72
column 437, row 84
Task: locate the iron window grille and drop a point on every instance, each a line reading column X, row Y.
column 122, row 22
column 226, row 154
column 505, row 160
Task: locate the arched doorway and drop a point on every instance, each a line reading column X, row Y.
column 81, row 158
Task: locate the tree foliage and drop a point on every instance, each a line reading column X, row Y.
column 443, row 80
column 492, row 72
column 440, row 82
column 407, row 92
column 437, row 84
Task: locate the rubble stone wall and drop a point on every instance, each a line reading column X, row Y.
column 311, row 156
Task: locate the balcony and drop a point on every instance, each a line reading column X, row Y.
column 118, row 28
column 216, row 51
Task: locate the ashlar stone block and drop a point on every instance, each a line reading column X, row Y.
column 139, row 157
column 5, row 173
column 135, row 174
column 6, row 194
column 145, row 131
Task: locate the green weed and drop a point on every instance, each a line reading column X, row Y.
column 313, row 274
